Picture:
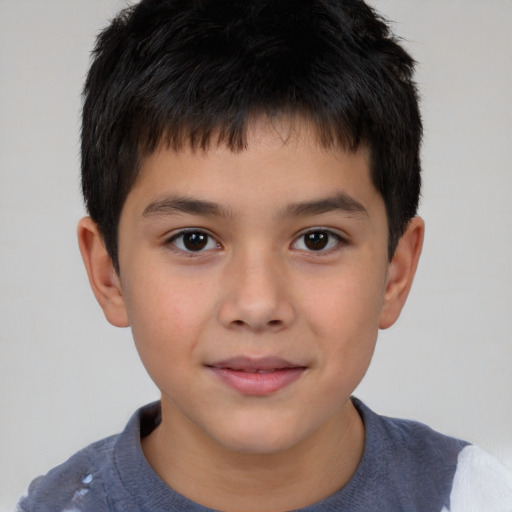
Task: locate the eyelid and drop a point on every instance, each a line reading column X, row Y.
column 170, row 239
column 342, row 239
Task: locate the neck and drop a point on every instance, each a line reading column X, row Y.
column 232, row 481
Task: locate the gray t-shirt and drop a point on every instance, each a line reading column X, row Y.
column 406, row 466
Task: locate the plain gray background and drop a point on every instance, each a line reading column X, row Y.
column 68, row 378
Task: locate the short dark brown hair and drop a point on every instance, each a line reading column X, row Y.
column 197, row 72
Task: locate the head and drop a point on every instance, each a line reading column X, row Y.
column 251, row 171
column 199, row 74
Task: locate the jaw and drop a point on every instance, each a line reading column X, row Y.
column 253, row 478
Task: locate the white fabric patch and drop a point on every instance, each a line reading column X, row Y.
column 481, row 483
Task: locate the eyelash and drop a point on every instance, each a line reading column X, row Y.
column 189, row 252
column 208, row 239
column 331, row 236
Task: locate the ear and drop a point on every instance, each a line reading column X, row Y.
column 103, row 278
column 401, row 272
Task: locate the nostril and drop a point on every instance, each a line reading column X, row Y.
column 270, row 323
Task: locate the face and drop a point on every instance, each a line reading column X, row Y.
column 254, row 283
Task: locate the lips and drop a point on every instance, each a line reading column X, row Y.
column 257, row 376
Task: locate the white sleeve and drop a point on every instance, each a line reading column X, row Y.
column 481, row 483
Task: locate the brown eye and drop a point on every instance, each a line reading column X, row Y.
column 316, row 241
column 193, row 241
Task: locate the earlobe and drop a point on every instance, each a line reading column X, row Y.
column 401, row 272
column 102, row 275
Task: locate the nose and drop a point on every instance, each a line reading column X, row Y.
column 256, row 296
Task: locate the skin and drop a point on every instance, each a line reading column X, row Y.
column 257, row 289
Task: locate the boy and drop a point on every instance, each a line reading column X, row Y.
column 251, row 171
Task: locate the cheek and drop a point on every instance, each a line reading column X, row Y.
column 345, row 306
column 167, row 313
column 166, row 331
column 343, row 315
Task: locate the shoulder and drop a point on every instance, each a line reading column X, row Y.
column 92, row 479
column 418, row 443
column 406, row 465
column 76, row 482
column 481, row 483
column 421, row 469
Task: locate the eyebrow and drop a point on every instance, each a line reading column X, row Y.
column 189, row 205
column 341, row 202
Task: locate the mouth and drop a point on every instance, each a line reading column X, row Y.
column 257, row 376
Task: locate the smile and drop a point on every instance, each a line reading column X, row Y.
column 256, row 377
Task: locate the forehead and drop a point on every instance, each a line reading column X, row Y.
column 283, row 130
column 284, row 160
